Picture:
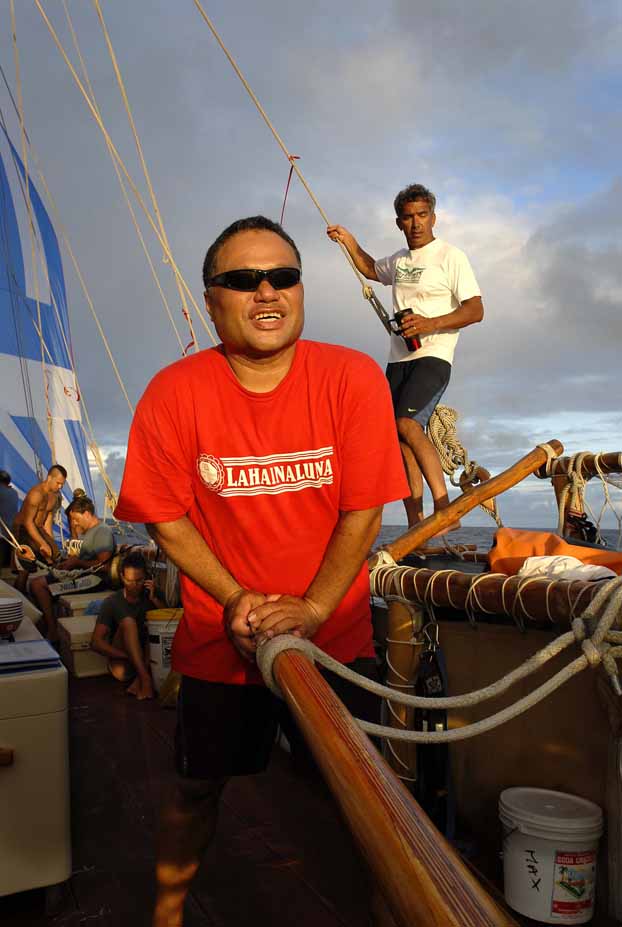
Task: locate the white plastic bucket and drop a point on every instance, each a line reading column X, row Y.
column 550, row 845
column 162, row 624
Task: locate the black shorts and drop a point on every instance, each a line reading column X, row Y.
column 417, row 387
column 228, row 730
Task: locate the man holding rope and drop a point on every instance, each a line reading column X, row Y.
column 96, row 551
column 267, row 493
column 433, row 283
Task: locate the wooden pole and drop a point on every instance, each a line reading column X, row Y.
column 402, row 666
column 608, row 463
column 422, row 878
column 496, row 595
column 430, row 526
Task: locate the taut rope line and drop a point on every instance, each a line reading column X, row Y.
column 122, row 185
column 120, row 162
column 154, row 201
column 595, row 650
column 31, row 226
column 368, row 292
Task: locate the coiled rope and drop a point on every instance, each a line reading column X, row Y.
column 443, row 434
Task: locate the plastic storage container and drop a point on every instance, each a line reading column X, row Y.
column 550, row 846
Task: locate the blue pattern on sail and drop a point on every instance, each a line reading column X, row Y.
column 28, row 387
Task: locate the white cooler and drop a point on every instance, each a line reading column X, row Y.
column 84, row 603
column 35, row 835
column 75, row 647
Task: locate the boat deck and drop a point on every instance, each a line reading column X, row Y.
column 281, row 854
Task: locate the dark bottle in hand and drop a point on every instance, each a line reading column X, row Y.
column 413, row 343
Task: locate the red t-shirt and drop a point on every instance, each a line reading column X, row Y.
column 264, row 477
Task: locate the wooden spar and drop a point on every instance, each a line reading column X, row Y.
column 608, row 463
column 430, row 526
column 402, row 668
column 493, row 594
column 422, row 878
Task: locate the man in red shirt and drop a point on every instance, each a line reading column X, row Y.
column 261, row 468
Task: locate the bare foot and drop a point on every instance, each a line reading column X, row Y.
column 134, row 688
column 145, row 691
column 141, row 689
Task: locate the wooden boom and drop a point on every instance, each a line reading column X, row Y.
column 422, row 878
column 472, row 497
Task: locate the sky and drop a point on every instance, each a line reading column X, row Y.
column 508, row 111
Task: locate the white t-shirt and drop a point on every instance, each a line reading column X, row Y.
column 432, row 281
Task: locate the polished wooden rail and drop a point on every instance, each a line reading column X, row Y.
column 421, row 877
column 472, row 497
column 496, row 594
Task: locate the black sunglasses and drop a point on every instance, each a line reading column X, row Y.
column 247, row 279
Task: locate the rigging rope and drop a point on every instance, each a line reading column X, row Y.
column 31, row 225
column 154, row 201
column 15, row 298
column 117, row 157
column 122, row 185
column 367, row 290
column 443, row 434
column 91, row 441
column 571, row 498
column 604, row 646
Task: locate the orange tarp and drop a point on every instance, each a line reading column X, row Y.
column 513, row 546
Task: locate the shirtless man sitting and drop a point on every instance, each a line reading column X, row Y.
column 121, row 630
column 97, row 549
column 33, row 523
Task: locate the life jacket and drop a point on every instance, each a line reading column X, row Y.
column 512, row 547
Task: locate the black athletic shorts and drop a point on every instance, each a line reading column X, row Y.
column 417, row 387
column 228, row 730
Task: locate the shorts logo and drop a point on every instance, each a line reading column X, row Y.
column 211, row 472
column 270, row 475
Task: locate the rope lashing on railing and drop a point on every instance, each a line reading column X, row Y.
column 604, row 646
column 571, row 498
column 452, row 454
column 387, row 579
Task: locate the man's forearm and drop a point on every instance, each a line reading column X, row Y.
column 33, row 531
column 108, row 650
column 468, row 313
column 182, row 543
column 363, row 261
column 347, row 549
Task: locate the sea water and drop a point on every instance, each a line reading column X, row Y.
column 482, row 536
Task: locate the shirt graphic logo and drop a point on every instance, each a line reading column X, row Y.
column 408, row 274
column 211, row 472
column 270, row 475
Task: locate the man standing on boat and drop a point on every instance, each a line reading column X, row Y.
column 255, row 470
column 434, row 283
